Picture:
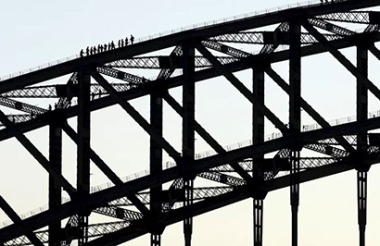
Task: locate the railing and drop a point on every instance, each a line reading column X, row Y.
column 33, row 212
column 198, row 26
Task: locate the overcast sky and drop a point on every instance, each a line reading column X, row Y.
column 41, row 31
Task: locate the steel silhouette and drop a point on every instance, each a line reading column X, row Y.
column 348, row 145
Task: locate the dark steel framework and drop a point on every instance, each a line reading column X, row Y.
column 200, row 54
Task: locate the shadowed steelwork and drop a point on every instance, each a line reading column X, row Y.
column 139, row 204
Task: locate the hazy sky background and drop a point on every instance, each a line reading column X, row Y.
column 37, row 32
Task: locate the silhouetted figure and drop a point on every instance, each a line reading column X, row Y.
column 87, row 51
column 122, row 42
column 49, row 107
column 132, row 39
column 112, row 45
column 95, row 50
column 81, row 53
column 92, row 96
column 126, row 41
column 99, row 48
column 118, row 43
column 100, row 92
column 105, row 47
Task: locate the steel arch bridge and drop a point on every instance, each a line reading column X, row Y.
column 141, row 205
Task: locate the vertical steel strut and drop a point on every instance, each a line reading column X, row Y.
column 362, row 205
column 258, row 138
column 55, row 193
column 258, row 210
column 362, row 169
column 155, row 165
column 188, row 131
column 295, row 120
column 83, row 168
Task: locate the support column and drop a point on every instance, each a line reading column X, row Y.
column 156, row 166
column 361, row 167
column 295, row 120
column 55, row 191
column 258, row 210
column 83, row 168
column 188, row 132
column 257, row 174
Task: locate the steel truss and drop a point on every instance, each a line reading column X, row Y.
column 238, row 173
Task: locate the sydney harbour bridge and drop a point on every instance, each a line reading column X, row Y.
column 142, row 205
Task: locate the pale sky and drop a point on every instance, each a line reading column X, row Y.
column 41, row 31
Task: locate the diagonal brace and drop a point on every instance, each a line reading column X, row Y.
column 105, row 169
column 15, row 218
column 37, row 155
column 342, row 59
column 207, row 137
column 314, row 114
column 234, row 81
column 135, row 115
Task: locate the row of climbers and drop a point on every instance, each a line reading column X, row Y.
column 106, row 47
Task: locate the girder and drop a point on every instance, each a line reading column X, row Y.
column 361, row 17
column 50, row 91
column 268, row 38
column 94, row 230
column 119, row 213
column 225, row 49
column 164, row 62
column 330, row 27
column 33, row 110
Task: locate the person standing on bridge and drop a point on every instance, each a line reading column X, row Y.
column 126, row 41
column 132, row 39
